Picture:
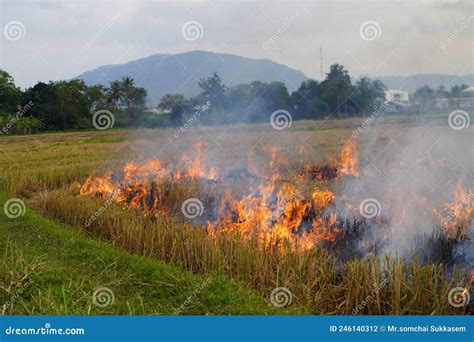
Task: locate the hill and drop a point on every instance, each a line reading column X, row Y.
column 179, row 73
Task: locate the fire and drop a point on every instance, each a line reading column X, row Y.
column 195, row 168
column 140, row 184
column 349, row 164
column 271, row 213
column 261, row 205
column 457, row 216
column 255, row 217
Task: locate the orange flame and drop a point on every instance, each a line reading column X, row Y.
column 349, row 164
column 457, row 216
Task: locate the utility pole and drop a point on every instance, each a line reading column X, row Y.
column 321, row 59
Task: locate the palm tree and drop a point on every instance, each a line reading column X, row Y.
column 114, row 92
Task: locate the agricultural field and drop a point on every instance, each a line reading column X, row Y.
column 333, row 217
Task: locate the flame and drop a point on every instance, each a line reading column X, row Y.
column 322, row 197
column 349, row 164
column 254, row 217
column 141, row 183
column 270, row 210
column 272, row 213
column 457, row 216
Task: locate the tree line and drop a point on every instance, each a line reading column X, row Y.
column 70, row 105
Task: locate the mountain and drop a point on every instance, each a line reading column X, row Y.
column 179, row 73
column 411, row 83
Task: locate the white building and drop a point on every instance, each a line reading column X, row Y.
column 396, row 101
column 396, row 95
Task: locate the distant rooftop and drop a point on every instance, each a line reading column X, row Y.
column 469, row 90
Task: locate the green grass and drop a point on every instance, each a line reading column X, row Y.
column 59, row 268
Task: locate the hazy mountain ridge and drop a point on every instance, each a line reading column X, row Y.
column 179, row 73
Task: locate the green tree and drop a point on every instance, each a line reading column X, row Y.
column 114, row 93
column 307, row 101
column 176, row 105
column 336, row 89
column 10, row 94
column 366, row 94
column 133, row 98
column 456, row 91
column 212, row 87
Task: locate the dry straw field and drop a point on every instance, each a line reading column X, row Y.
column 321, row 218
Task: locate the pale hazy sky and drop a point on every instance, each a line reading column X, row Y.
column 61, row 39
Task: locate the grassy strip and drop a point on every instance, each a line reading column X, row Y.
column 48, row 268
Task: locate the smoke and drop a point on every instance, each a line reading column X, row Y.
column 410, row 170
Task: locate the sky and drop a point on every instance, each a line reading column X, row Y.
column 51, row 40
